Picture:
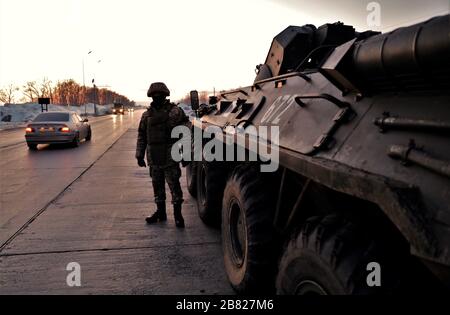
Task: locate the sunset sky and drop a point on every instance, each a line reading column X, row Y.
column 195, row 44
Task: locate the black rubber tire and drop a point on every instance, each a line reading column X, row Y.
column 76, row 141
column 191, row 178
column 211, row 180
column 32, row 146
column 330, row 255
column 89, row 135
column 250, row 262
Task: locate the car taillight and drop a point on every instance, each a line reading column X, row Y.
column 64, row 129
column 29, row 129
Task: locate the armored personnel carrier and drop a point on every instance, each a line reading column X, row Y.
column 360, row 200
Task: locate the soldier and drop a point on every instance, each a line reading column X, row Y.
column 154, row 139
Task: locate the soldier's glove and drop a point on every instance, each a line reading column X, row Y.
column 141, row 163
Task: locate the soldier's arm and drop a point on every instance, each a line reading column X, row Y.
column 177, row 117
column 141, row 144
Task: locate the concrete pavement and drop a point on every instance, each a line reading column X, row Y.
column 98, row 222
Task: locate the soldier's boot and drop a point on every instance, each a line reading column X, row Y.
column 179, row 221
column 160, row 214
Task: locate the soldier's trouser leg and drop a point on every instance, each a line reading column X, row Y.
column 159, row 190
column 158, row 182
column 173, row 174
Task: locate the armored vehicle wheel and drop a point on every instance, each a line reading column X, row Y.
column 211, row 179
column 330, row 255
column 191, row 178
column 247, row 232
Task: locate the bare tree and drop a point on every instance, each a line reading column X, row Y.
column 69, row 92
column 46, row 89
column 7, row 95
column 203, row 97
column 31, row 90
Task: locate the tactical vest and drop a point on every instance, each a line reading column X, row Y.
column 158, row 134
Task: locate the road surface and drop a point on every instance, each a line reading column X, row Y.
column 87, row 205
column 30, row 180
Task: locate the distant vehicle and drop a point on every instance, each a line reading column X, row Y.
column 57, row 127
column 118, row 109
column 131, row 109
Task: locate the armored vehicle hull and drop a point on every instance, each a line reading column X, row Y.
column 360, row 201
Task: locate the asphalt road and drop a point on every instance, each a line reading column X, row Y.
column 87, row 205
column 30, row 180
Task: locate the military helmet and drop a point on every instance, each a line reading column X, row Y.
column 158, row 87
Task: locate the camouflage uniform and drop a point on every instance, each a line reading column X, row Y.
column 162, row 166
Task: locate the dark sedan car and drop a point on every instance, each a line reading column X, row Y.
column 57, row 127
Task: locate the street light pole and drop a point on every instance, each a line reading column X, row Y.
column 95, row 92
column 95, row 97
column 84, row 91
column 84, row 86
